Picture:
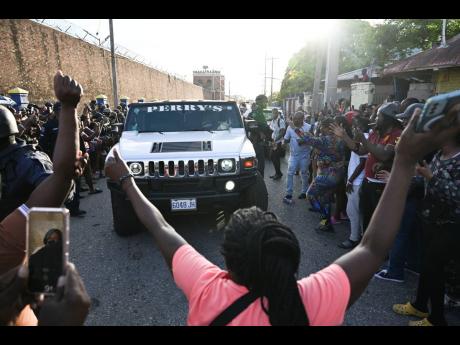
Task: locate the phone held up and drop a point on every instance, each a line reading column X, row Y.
column 47, row 248
column 435, row 109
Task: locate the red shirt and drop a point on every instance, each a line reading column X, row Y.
column 386, row 139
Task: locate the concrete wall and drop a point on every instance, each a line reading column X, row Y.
column 420, row 90
column 448, row 80
column 31, row 53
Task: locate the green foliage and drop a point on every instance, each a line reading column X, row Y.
column 362, row 44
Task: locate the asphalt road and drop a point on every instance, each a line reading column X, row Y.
column 130, row 284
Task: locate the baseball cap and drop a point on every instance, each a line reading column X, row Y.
column 390, row 109
column 407, row 114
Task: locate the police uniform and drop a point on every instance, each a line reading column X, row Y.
column 22, row 168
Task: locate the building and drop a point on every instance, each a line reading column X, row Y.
column 212, row 82
column 433, row 71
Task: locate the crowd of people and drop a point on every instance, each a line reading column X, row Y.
column 345, row 159
column 25, row 160
column 262, row 255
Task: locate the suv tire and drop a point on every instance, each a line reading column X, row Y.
column 256, row 195
column 125, row 221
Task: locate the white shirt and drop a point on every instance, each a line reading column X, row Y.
column 354, row 162
column 277, row 128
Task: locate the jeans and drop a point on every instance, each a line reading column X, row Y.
column 399, row 251
column 297, row 162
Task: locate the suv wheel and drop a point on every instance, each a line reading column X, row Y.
column 256, row 195
column 125, row 221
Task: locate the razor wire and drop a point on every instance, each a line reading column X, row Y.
column 76, row 31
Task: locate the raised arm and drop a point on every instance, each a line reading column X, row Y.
column 379, row 151
column 66, row 159
column 361, row 263
column 167, row 239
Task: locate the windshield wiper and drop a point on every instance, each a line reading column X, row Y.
column 150, row 132
column 200, row 130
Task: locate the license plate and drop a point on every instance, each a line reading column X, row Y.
column 183, row 204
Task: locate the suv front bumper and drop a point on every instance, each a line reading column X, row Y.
column 209, row 192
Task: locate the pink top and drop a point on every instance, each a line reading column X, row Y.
column 209, row 290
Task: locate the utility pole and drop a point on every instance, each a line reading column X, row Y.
column 271, row 84
column 443, row 34
column 265, row 75
column 315, row 104
column 114, row 68
column 332, row 68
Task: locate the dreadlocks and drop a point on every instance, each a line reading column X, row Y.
column 265, row 255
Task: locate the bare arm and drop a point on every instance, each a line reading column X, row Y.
column 377, row 150
column 53, row 190
column 351, row 144
column 361, row 263
column 167, row 239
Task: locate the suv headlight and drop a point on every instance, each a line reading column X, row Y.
column 137, row 168
column 227, row 165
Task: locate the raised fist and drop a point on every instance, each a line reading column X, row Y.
column 67, row 90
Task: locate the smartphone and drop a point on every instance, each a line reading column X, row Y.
column 435, row 109
column 47, row 247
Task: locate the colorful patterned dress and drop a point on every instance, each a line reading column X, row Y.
column 331, row 169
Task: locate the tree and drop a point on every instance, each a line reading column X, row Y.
column 399, row 38
column 362, row 44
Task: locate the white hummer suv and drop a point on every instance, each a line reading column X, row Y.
column 187, row 157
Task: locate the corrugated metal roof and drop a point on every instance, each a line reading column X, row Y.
column 437, row 57
column 376, row 72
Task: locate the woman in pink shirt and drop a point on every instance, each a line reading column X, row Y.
column 262, row 255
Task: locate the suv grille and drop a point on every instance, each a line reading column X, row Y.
column 184, row 168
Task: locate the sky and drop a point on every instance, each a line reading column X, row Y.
column 236, row 47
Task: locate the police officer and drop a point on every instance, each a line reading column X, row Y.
column 259, row 136
column 22, row 168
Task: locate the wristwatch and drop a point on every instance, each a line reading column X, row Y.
column 124, row 177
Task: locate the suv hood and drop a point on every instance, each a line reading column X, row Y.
column 134, row 145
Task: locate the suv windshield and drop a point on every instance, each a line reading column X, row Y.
column 182, row 116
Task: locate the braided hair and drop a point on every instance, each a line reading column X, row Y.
column 264, row 256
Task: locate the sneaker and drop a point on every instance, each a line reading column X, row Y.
column 383, row 274
column 83, row 189
column 409, row 310
column 348, row 244
column 277, row 177
column 325, row 226
column 288, row 199
column 303, row 196
column 311, row 209
column 422, row 322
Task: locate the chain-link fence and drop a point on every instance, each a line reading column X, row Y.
column 104, row 42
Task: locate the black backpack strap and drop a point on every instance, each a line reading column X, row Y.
column 234, row 309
